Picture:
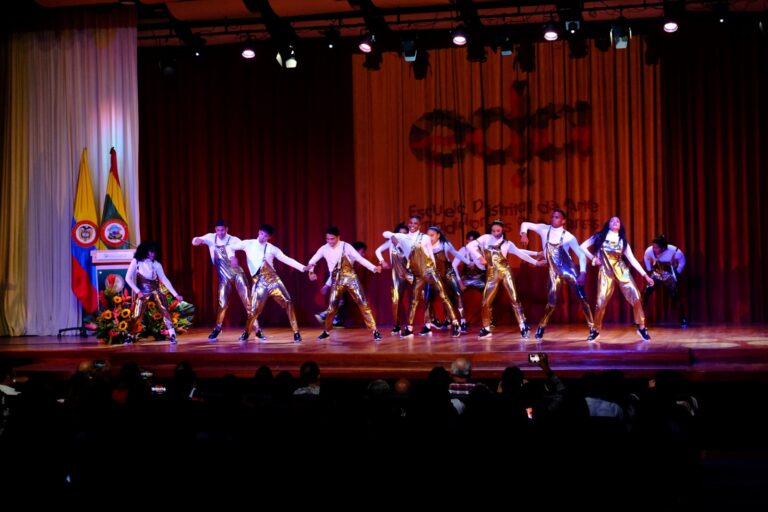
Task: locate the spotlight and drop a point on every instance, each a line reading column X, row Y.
column 286, row 57
column 367, row 42
column 673, row 9
column 603, row 42
column 621, row 33
column 505, row 46
column 248, row 51
column 421, row 66
column 550, row 31
column 572, row 26
column 459, row 36
column 332, row 37
column 408, row 46
column 475, row 50
column 721, row 12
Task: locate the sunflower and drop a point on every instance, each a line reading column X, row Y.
column 125, row 313
column 151, row 305
column 107, row 315
column 117, row 299
column 122, row 325
column 157, row 316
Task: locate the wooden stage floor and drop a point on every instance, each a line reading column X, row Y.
column 704, row 353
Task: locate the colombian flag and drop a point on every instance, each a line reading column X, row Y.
column 114, row 230
column 85, row 234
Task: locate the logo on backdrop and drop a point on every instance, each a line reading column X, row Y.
column 85, row 234
column 114, row 233
column 444, row 138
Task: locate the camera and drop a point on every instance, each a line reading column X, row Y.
column 534, row 358
column 158, row 389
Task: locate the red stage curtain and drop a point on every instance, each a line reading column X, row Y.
column 251, row 143
column 716, row 153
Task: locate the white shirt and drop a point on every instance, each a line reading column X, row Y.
column 386, row 246
column 332, row 256
column 464, row 254
column 256, row 253
column 670, row 254
column 613, row 237
column 407, row 242
column 484, row 241
column 569, row 241
column 212, row 241
column 150, row 270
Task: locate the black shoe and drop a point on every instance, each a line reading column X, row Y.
column 324, row 335
column 684, row 323
column 593, row 335
column 376, row 336
column 464, row 327
column 425, row 331
column 643, row 333
column 406, row 333
column 260, row 335
column 244, row 337
column 539, row 333
column 296, row 337
column 214, row 333
column 524, row 330
column 173, row 339
column 440, row 325
column 395, row 329
column 455, row 331
column 484, row 333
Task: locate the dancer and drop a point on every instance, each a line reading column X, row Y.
column 220, row 245
column 495, row 248
column 338, row 321
column 144, row 276
column 611, row 247
column 665, row 262
column 421, row 260
column 340, row 256
column 556, row 242
column 442, row 249
column 266, row 282
column 400, row 273
column 472, row 274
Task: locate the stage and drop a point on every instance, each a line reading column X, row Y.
column 702, row 353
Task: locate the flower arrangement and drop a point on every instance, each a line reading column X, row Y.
column 113, row 324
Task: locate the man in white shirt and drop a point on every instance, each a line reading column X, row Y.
column 556, row 242
column 340, row 257
column 220, row 246
column 665, row 263
column 266, row 283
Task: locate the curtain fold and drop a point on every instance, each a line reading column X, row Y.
column 72, row 84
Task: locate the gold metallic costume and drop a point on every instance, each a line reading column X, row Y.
column 450, row 282
column 228, row 274
column 614, row 271
column 561, row 268
column 473, row 277
column 344, row 278
column 150, row 288
column 498, row 272
column 401, row 275
column 266, row 284
column 424, row 273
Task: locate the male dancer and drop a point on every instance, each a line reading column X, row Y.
column 400, row 273
column 556, row 242
column 220, row 245
column 266, row 283
column 340, row 257
column 665, row 263
column 495, row 249
column 418, row 249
